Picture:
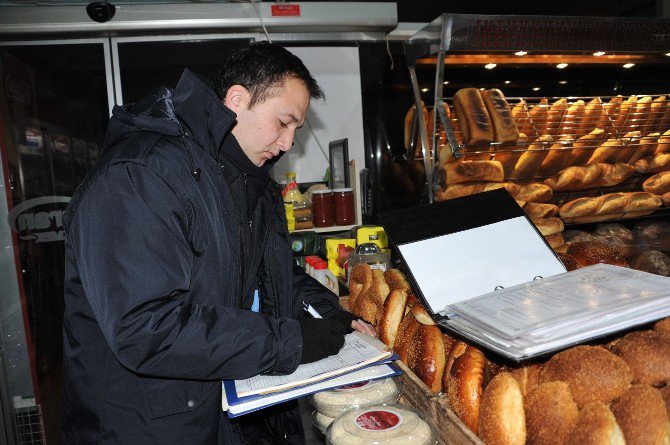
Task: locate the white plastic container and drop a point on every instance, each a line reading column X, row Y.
column 334, row 402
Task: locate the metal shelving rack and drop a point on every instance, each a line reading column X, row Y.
column 490, row 34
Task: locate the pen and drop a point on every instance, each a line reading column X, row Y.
column 311, row 310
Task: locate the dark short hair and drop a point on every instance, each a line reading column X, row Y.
column 261, row 68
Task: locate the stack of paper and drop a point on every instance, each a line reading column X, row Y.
column 550, row 314
column 361, row 358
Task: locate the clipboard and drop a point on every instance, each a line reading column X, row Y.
column 465, row 247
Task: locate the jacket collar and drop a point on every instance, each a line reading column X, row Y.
column 205, row 116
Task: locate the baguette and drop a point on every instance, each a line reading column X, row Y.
column 657, row 184
column 570, row 123
column 473, row 118
column 609, row 206
column 607, row 152
column 611, row 112
column 538, row 210
column 504, row 126
column 665, row 197
column 522, row 119
column 592, row 114
column 534, row 192
column 638, row 115
column 646, row 147
column 555, row 116
column 557, row 157
column 583, row 148
column 538, row 116
column 531, row 160
column 663, row 142
column 631, row 143
column 548, row 226
column 657, row 163
column 509, row 154
column 655, row 117
column 467, row 171
column 409, row 117
column 621, row 120
column 590, row 176
column 458, row 190
column 664, row 124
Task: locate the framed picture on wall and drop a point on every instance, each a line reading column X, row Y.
column 339, row 163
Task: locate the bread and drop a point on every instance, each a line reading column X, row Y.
column 620, row 120
column 608, row 151
column 641, row 414
column 655, row 116
column 458, row 190
column 405, row 336
column 657, row 163
column 569, row 261
column 591, row 176
column 530, row 161
column 422, row 315
column 630, row 143
column 501, row 412
column 555, row 241
column 664, row 140
column 596, row 425
column 464, row 386
column 550, row 413
column 360, row 279
column 558, row 156
column 473, row 118
column 593, row 374
column 647, row 354
column 612, row 109
column 522, row 119
column 646, row 147
column 588, row 253
column 440, row 133
column 392, row 315
column 396, row 280
column 368, row 293
column 538, row 116
column 508, row 154
column 652, row 261
column 538, row 210
column 657, row 184
column 429, row 360
column 469, row 171
column 528, row 376
column 573, row 116
column 555, row 116
column 616, row 236
column 534, row 192
column 639, row 114
column 457, row 349
column 592, row 114
column 504, row 127
column 548, row 226
column 583, row 148
column 663, row 325
column 609, row 206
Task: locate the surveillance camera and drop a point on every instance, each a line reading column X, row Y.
column 101, row 12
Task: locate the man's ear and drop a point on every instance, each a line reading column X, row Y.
column 237, row 96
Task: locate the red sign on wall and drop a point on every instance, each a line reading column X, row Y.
column 285, row 10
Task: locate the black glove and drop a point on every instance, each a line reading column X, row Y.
column 324, row 337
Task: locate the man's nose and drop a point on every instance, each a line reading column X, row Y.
column 286, row 140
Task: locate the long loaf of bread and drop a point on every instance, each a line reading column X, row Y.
column 590, row 176
column 532, row 192
column 583, row 148
column 657, row 163
column 522, row 119
column 504, row 127
column 469, row 171
column 531, row 160
column 558, row 156
column 657, row 184
column 609, row 206
column 473, row 117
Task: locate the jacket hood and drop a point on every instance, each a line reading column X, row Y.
column 192, row 107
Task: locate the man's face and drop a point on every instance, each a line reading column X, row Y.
column 268, row 128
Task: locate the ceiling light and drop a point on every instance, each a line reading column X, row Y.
column 521, row 53
column 667, row 54
column 560, row 66
column 599, row 53
column 507, row 82
column 490, row 66
column 446, row 82
column 536, row 88
column 425, row 90
column 562, row 82
column 629, row 65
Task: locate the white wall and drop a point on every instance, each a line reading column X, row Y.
column 339, row 116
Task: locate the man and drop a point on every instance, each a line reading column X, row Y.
column 178, row 266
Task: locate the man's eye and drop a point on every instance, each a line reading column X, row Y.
column 283, row 124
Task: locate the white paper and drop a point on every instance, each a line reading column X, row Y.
column 458, row 266
column 358, row 350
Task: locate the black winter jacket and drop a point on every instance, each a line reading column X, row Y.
column 153, row 288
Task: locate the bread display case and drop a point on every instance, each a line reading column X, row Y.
column 592, row 152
